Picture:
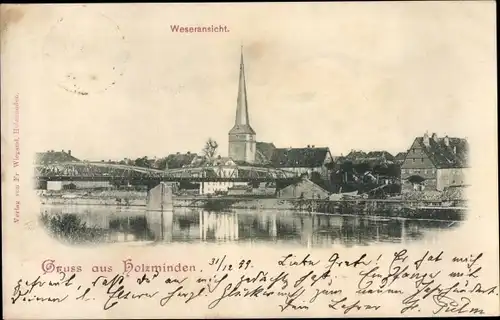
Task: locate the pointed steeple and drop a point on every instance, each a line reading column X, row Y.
column 242, row 121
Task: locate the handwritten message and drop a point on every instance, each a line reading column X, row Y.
column 293, row 284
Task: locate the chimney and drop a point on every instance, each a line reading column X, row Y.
column 434, row 137
column 308, row 146
column 62, row 150
column 446, row 141
column 312, row 146
column 425, row 139
column 69, row 152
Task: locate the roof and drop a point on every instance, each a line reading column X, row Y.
column 380, row 154
column 356, row 154
column 242, row 121
column 54, row 157
column 264, row 152
column 400, row 156
column 178, row 160
column 242, row 129
column 453, row 155
column 222, row 161
column 305, row 183
column 299, row 157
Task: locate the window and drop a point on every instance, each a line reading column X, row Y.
column 422, row 159
column 413, row 160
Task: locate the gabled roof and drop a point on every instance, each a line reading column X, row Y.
column 400, row 156
column 305, row 183
column 54, row 157
column 264, row 152
column 299, row 157
column 380, row 154
column 356, row 154
column 453, row 155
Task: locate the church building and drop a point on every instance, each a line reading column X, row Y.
column 242, row 143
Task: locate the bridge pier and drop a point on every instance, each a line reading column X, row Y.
column 160, row 198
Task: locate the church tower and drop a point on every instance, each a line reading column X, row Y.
column 242, row 142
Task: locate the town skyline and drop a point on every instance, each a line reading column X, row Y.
column 219, row 153
column 337, row 90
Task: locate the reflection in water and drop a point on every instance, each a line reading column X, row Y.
column 80, row 224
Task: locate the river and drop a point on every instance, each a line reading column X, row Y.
column 92, row 224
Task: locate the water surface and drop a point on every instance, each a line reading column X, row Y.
column 78, row 224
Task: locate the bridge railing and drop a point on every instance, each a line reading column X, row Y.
column 117, row 171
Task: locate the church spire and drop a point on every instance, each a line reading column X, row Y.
column 242, row 144
column 242, row 121
column 242, row 103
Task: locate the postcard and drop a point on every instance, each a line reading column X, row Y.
column 244, row 160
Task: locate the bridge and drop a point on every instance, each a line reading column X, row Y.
column 118, row 173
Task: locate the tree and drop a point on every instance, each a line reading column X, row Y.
column 142, row 162
column 162, row 163
column 210, row 149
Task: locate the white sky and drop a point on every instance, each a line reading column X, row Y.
column 368, row 76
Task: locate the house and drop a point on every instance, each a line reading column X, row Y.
column 400, row 157
column 264, row 152
column 303, row 160
column 305, row 189
column 379, row 157
column 221, row 167
column 434, row 163
column 356, row 156
column 179, row 160
column 52, row 156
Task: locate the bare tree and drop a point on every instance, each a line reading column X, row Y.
column 210, row 149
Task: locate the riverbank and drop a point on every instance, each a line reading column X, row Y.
column 416, row 209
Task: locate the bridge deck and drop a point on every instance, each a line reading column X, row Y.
column 164, row 179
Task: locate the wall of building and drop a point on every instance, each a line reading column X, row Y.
column 54, row 185
column 416, row 158
column 323, row 171
column 305, row 189
column 428, row 174
column 417, row 163
column 212, row 187
column 59, row 185
column 242, row 147
column 451, row 177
